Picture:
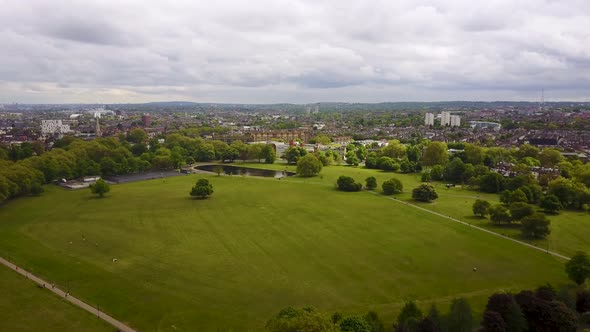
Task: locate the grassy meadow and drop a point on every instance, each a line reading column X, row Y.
column 231, row 262
column 25, row 307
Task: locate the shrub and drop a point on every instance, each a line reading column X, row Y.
column 346, row 183
column 371, row 183
column 392, row 186
column 424, row 193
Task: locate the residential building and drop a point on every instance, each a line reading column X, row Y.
column 455, row 121
column 429, row 119
column 445, row 119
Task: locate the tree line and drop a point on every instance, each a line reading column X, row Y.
column 25, row 168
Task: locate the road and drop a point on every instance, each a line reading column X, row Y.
column 68, row 297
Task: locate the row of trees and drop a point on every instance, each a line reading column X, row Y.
column 423, row 193
column 72, row 158
column 543, row 309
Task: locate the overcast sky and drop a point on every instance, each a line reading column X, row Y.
column 300, row 51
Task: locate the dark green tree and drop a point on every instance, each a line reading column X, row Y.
column 519, row 210
column 492, row 322
column 392, row 186
column 294, row 320
column 202, row 189
column 371, row 183
column 354, row 324
column 410, row 311
column 100, row 188
column 578, row 268
column 480, row 208
column 460, row 318
column 424, row 193
column 499, row 214
column 346, row 183
column 551, row 204
column 535, row 226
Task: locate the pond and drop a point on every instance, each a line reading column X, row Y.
column 236, row 170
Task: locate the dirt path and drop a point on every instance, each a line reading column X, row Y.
column 117, row 324
column 475, row 227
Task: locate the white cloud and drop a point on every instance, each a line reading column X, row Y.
column 293, row 50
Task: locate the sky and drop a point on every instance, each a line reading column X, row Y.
column 293, row 51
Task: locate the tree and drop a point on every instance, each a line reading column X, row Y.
column 346, row 183
column 394, row 149
column 374, row 322
column 583, row 301
column 480, row 208
column 202, row 189
column 308, row 166
column 137, row 135
column 293, row 153
column 520, row 210
column 437, row 172
column 354, row 324
column 410, row 311
column 578, row 268
column 491, row 183
column 535, row 226
column 392, row 186
column 425, row 177
column 499, row 214
column 268, row 153
column 100, row 188
column 351, row 158
column 460, row 318
column 551, row 204
column 371, row 183
column 550, row 157
column 435, row 153
column 473, row 154
column 294, row 320
column 492, row 322
column 454, row 170
column 506, row 306
column 424, row 193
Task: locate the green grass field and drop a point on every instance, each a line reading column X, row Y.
column 569, row 229
column 25, row 307
column 256, row 246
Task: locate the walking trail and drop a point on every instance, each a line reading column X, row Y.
column 475, row 227
column 95, row 311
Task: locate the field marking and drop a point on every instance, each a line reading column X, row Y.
column 75, row 301
column 473, row 226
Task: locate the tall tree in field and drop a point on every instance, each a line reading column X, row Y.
column 435, row 153
column 424, row 193
column 578, row 268
column 535, row 226
column 100, row 188
column 202, row 189
column 480, row 207
column 309, row 165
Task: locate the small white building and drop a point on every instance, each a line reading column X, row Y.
column 445, row 119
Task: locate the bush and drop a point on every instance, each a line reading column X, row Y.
column 370, row 183
column 392, row 186
column 424, row 193
column 583, row 301
column 426, row 177
column 346, row 183
column 578, row 268
column 100, row 188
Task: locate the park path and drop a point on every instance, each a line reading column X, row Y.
column 75, row 301
column 474, row 227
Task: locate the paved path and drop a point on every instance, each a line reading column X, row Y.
column 473, row 226
column 119, row 325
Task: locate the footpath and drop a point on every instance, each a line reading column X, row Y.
column 68, row 297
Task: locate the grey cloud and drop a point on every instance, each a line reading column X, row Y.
column 293, row 50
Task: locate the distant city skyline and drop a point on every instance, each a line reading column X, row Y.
column 293, row 51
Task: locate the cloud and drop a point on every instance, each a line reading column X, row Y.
column 293, row 50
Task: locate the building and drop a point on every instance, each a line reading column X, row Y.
column 445, row 119
column 146, row 119
column 429, row 119
column 50, row 127
column 455, row 121
column 485, row 125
